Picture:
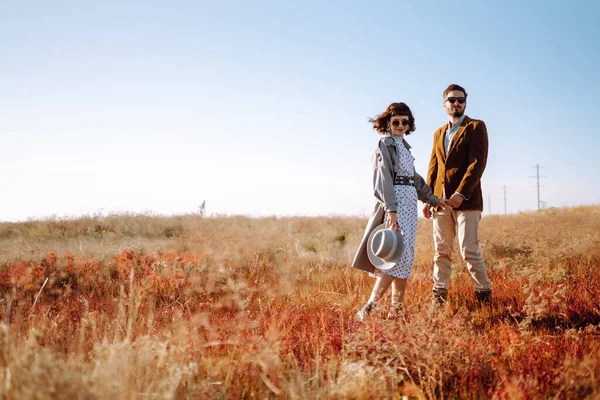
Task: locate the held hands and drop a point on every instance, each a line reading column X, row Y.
column 428, row 212
column 392, row 221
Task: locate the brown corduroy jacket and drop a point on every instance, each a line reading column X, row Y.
column 461, row 169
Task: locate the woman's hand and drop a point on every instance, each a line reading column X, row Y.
column 392, row 221
column 427, row 213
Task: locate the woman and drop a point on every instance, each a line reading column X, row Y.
column 397, row 187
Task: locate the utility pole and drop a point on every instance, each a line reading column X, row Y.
column 537, row 168
column 541, row 204
column 505, row 200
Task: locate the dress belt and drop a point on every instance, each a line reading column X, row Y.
column 404, row 180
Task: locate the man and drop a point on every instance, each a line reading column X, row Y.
column 457, row 163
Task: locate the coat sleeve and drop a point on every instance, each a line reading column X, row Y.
column 424, row 192
column 478, row 152
column 383, row 177
column 433, row 164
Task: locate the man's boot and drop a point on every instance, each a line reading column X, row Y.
column 484, row 296
column 440, row 296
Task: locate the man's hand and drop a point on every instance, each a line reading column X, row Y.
column 427, row 213
column 392, row 221
column 443, row 204
column 455, row 200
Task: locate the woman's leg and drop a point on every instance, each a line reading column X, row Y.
column 398, row 290
column 382, row 283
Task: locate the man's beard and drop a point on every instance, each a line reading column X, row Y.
column 457, row 113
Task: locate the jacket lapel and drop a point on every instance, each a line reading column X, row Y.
column 458, row 135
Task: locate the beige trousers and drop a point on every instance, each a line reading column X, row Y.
column 447, row 224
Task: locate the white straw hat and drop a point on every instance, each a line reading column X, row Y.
column 384, row 247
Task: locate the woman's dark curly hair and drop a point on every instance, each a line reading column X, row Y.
column 381, row 122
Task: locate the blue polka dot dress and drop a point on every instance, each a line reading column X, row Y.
column 406, row 198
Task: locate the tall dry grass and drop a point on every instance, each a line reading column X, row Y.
column 233, row 307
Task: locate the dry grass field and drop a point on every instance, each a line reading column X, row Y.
column 150, row 307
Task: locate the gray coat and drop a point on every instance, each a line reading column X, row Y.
column 385, row 165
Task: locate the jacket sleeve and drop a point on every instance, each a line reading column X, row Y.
column 478, row 152
column 433, row 164
column 424, row 192
column 383, row 177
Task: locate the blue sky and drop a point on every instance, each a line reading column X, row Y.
column 261, row 108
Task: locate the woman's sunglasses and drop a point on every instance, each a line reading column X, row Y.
column 404, row 122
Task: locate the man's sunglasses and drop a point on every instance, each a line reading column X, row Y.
column 460, row 100
column 404, row 122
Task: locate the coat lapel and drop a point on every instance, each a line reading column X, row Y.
column 458, row 135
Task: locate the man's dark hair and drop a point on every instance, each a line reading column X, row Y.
column 452, row 87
